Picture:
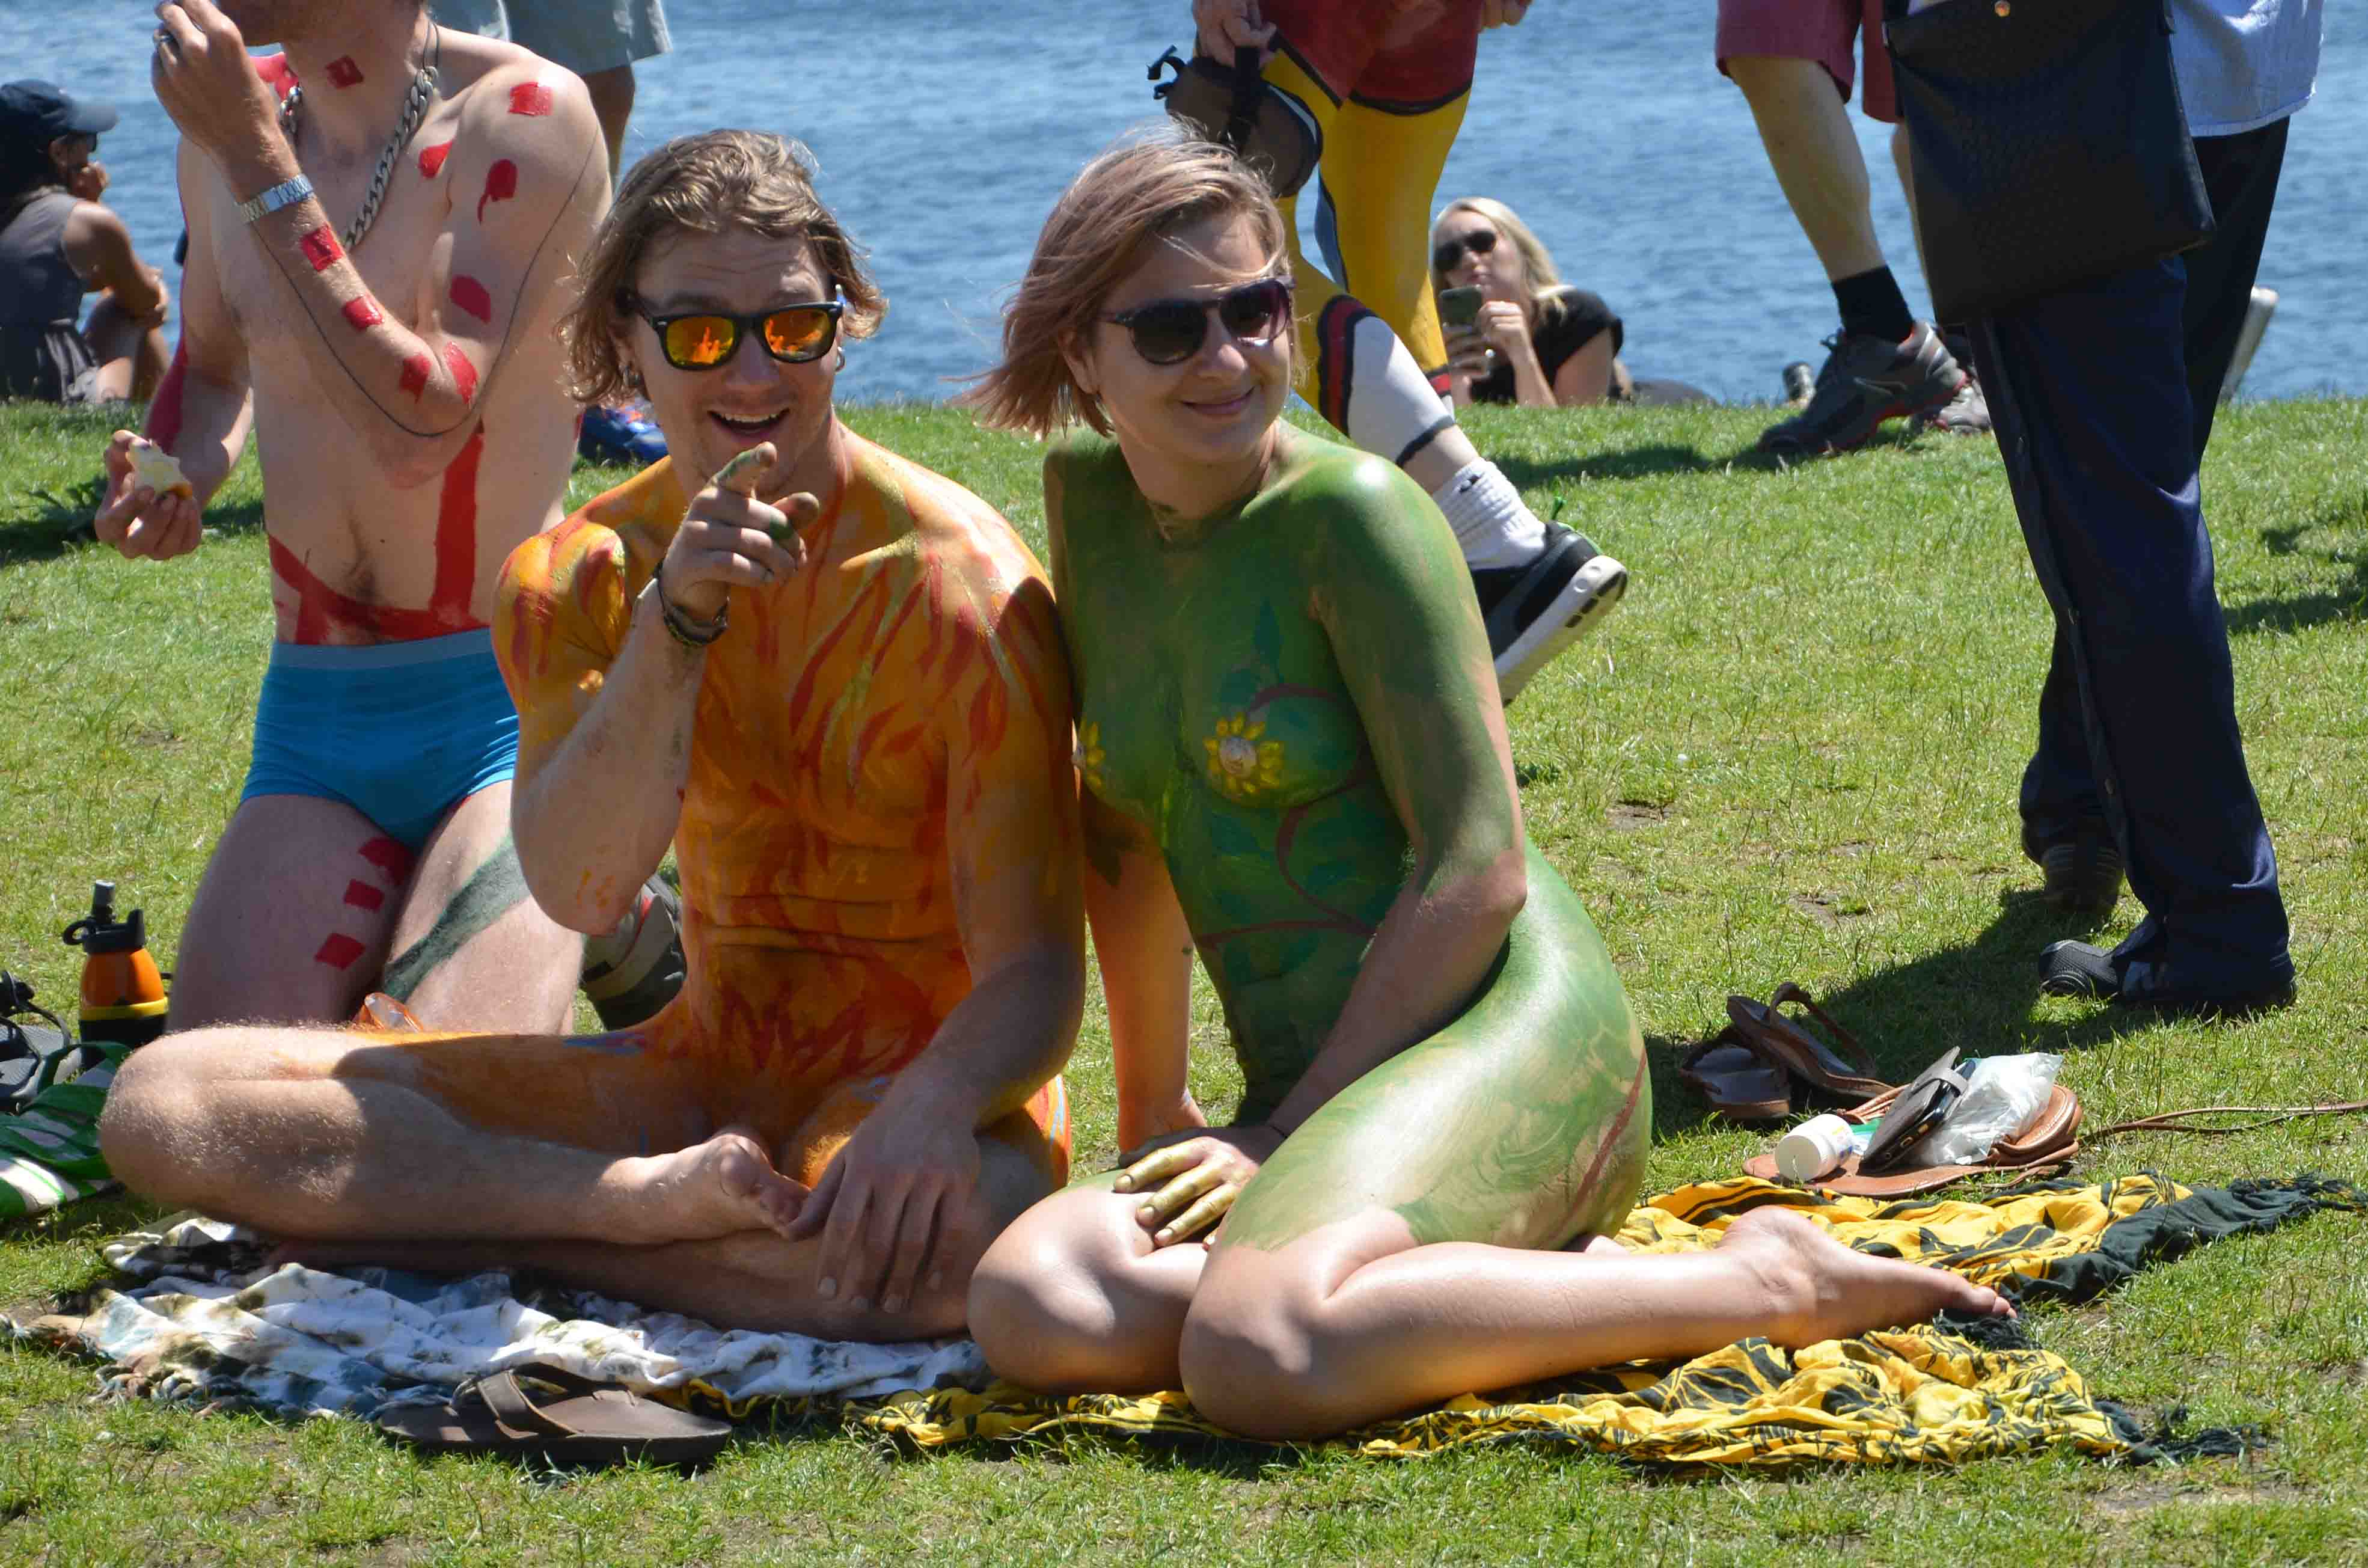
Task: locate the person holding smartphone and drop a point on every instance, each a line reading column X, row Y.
column 1515, row 332
column 1382, row 86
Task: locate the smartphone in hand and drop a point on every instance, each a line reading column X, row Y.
column 1458, row 307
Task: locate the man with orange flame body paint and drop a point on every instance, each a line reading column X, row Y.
column 834, row 682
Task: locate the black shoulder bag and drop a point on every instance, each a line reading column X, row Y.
column 2047, row 144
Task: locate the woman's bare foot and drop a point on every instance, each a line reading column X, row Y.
column 721, row 1188
column 1821, row 1289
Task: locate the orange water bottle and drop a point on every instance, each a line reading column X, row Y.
column 122, row 995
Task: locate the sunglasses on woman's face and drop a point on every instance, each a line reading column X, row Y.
column 704, row 339
column 1168, row 332
column 1479, row 241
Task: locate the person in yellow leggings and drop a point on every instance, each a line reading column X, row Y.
column 1382, row 84
column 834, row 683
column 1380, row 158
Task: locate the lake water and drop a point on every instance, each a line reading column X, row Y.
column 945, row 130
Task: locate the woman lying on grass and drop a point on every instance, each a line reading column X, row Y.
column 1294, row 762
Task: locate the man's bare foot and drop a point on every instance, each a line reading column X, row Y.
column 721, row 1188
column 1821, row 1289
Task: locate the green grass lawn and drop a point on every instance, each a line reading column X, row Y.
column 1792, row 755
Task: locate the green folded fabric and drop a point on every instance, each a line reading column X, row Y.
column 49, row 1151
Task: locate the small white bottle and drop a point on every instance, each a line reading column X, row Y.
column 1812, row 1149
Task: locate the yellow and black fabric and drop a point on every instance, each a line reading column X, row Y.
column 1949, row 1392
column 198, row 1314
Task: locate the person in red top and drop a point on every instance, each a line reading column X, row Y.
column 834, row 681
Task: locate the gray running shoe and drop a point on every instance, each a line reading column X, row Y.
column 636, row 969
column 1865, row 381
column 2082, row 872
column 1967, row 414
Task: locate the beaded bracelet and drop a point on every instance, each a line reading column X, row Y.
column 688, row 633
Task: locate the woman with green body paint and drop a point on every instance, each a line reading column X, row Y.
column 1294, row 764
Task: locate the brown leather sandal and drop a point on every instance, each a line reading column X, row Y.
column 1740, row 1084
column 2047, row 1139
column 1784, row 1041
column 543, row 1412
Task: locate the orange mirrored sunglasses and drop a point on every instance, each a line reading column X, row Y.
column 701, row 340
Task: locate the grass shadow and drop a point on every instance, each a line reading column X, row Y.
column 1199, row 1453
column 1626, row 463
column 63, row 523
column 1657, row 458
column 2346, row 603
column 1977, row 995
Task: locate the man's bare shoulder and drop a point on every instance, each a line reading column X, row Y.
column 512, row 104
column 962, row 542
column 641, row 514
column 612, row 542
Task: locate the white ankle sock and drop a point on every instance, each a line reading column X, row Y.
column 1380, row 399
column 1493, row 525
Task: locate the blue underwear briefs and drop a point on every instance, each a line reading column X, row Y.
column 401, row 732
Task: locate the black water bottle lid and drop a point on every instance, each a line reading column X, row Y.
column 100, row 932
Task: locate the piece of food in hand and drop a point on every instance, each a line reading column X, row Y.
column 159, row 470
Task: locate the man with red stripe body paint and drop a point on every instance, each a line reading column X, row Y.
column 398, row 356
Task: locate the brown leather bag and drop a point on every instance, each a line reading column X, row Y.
column 1232, row 105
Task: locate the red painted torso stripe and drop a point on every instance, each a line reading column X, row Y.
column 320, row 607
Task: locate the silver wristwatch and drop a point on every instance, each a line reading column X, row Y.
column 287, row 193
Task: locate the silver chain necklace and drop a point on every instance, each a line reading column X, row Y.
column 414, row 109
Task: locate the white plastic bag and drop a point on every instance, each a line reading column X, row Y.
column 2002, row 1094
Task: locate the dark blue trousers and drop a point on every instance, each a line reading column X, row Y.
column 2089, row 393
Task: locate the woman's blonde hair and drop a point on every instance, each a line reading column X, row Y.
column 703, row 184
column 1139, row 192
column 1546, row 301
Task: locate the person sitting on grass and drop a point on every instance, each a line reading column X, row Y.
column 57, row 243
column 1295, row 763
column 382, row 220
column 834, row 681
column 1534, row 340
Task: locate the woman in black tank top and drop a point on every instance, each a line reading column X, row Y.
column 58, row 244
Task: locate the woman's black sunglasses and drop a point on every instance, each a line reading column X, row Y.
column 1168, row 332
column 703, row 340
column 1479, row 241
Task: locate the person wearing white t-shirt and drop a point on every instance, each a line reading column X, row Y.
column 2245, row 67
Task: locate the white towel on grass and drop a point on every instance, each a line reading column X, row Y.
column 196, row 1317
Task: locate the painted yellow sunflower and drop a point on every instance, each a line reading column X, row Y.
column 1241, row 764
column 1089, row 755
